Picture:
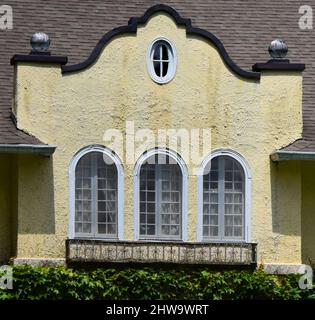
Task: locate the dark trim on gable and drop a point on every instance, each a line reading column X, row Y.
column 278, row 65
column 190, row 30
column 38, row 58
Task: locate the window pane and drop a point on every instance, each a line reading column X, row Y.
column 151, row 218
column 234, row 195
column 83, row 195
column 143, row 196
column 166, row 185
column 228, row 163
column 165, row 218
column 214, row 220
column 111, row 228
column 78, row 227
column 164, row 52
column 165, row 207
column 102, row 217
column 102, row 228
column 238, row 198
column 142, row 229
column 228, row 176
column 166, row 196
column 165, row 230
column 174, row 219
column 161, row 57
column 237, row 231
column 147, row 200
column 213, row 186
column 86, row 228
column 228, row 198
column 214, row 163
column 157, row 68
column 206, row 231
column 238, row 187
column 151, row 207
column 229, row 220
column 165, row 69
column 96, row 195
column 87, row 217
column 151, row 230
column 160, row 200
column 174, row 230
column 214, row 208
column 223, row 198
column 228, row 231
column 156, row 54
column 106, row 195
column 101, row 206
column 238, row 220
column 238, row 209
column 214, row 198
column 214, row 231
column 111, row 217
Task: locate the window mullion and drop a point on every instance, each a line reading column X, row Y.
column 221, row 197
column 94, row 194
column 161, row 61
column 158, row 200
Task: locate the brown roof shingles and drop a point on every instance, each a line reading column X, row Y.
column 245, row 28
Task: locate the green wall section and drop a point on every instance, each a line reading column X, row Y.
column 308, row 212
column 5, row 207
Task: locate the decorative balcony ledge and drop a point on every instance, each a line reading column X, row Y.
column 98, row 251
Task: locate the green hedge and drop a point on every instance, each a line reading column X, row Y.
column 149, row 283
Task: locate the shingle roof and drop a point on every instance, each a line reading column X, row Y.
column 245, row 28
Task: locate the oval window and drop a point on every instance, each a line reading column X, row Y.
column 161, row 61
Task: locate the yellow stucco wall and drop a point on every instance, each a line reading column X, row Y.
column 72, row 111
column 308, row 213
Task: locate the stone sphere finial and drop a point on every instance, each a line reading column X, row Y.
column 278, row 49
column 40, row 42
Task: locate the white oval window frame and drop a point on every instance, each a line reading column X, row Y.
column 171, row 66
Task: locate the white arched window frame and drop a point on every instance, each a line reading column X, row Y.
column 120, row 188
column 170, row 60
column 173, row 155
column 247, row 201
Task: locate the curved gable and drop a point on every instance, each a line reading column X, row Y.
column 132, row 28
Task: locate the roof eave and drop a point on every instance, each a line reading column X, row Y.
column 280, row 155
column 44, row 150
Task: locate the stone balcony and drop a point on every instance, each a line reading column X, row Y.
column 98, row 251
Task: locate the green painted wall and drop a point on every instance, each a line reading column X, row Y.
column 308, row 212
column 6, row 232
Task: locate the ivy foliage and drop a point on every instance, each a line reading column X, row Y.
column 37, row 283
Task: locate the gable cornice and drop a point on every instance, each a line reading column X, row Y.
column 190, row 30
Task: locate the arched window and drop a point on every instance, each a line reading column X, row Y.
column 224, row 198
column 161, row 200
column 161, row 61
column 96, row 194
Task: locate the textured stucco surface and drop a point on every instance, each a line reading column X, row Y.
column 72, row 111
